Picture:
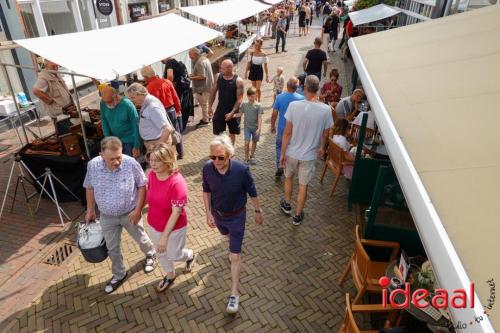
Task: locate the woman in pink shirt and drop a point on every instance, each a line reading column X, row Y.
column 167, row 197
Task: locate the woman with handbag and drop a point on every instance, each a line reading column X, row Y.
column 167, row 198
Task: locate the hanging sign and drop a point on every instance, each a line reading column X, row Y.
column 105, row 7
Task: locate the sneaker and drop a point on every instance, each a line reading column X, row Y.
column 252, row 161
column 202, row 123
column 297, row 219
column 149, row 264
column 329, row 48
column 279, row 173
column 232, row 304
column 189, row 263
column 114, row 283
column 164, row 284
column 285, row 207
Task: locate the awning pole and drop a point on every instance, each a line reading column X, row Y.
column 77, row 104
column 17, row 105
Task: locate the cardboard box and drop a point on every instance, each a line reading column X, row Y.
column 7, row 108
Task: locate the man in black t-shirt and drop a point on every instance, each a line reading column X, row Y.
column 315, row 58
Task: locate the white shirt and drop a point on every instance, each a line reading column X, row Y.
column 341, row 141
column 370, row 122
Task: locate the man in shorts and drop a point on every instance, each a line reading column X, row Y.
column 304, row 138
column 226, row 183
column 230, row 88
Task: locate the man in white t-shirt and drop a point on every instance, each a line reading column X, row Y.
column 304, row 139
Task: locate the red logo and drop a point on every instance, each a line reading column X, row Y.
column 459, row 299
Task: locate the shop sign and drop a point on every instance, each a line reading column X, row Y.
column 105, row 7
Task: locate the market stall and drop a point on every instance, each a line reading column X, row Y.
column 425, row 89
column 67, row 155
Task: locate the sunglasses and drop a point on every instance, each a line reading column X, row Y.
column 219, row 158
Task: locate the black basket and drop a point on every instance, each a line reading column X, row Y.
column 96, row 254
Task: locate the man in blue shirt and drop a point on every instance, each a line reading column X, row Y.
column 226, row 183
column 279, row 109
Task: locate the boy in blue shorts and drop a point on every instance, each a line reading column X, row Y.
column 251, row 111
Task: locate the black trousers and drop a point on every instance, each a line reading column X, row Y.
column 280, row 35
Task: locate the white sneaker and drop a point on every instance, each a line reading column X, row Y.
column 232, row 304
column 329, row 48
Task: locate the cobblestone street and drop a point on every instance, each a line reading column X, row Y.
column 289, row 274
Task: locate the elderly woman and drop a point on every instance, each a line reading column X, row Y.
column 167, row 197
column 257, row 66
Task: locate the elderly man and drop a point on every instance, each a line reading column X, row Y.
column 120, row 119
column 279, row 110
column 203, row 80
column 153, row 123
column 315, row 59
column 304, row 139
column 230, row 88
column 51, row 89
column 347, row 107
column 226, row 183
column 164, row 90
column 116, row 183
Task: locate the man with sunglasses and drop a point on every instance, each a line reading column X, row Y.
column 120, row 119
column 226, row 183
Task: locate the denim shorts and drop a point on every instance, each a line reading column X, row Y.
column 234, row 227
column 250, row 134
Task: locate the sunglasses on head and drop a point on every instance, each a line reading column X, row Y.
column 219, row 158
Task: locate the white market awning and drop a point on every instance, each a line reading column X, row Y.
column 372, row 14
column 108, row 53
column 227, row 12
column 436, row 105
column 273, row 2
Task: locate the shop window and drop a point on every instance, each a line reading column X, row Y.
column 58, row 17
column 163, row 6
column 137, row 10
column 86, row 12
column 6, row 57
column 26, row 10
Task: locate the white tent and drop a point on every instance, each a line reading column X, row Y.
column 226, row 12
column 107, row 53
column 273, row 2
column 372, row 14
column 436, row 105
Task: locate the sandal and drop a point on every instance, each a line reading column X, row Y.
column 113, row 284
column 165, row 284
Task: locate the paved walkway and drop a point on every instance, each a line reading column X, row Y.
column 289, row 276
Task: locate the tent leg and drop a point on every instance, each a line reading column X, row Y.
column 77, row 104
column 15, row 102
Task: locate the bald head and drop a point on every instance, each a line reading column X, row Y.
column 226, row 67
column 110, row 96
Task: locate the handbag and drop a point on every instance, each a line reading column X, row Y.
column 174, row 135
column 91, row 242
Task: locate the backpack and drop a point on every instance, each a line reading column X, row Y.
column 327, row 9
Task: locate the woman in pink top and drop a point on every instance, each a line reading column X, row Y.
column 167, row 197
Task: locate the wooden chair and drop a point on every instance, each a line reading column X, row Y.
column 369, row 133
column 335, row 162
column 365, row 272
column 349, row 324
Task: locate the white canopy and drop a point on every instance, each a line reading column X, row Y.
column 372, row 14
column 273, row 2
column 226, row 12
column 436, row 105
column 106, row 53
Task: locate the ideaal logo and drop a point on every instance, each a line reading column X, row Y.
column 460, row 299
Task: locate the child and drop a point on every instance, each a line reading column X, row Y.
column 338, row 134
column 252, row 113
column 278, row 82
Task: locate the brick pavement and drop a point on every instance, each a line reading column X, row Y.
column 289, row 276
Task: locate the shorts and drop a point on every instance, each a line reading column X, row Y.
column 219, row 124
column 305, row 169
column 250, row 134
column 234, row 227
column 307, row 22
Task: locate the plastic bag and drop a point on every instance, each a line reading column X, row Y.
column 90, row 235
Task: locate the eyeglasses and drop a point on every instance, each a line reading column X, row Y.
column 219, row 158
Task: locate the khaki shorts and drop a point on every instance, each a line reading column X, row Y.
column 305, row 169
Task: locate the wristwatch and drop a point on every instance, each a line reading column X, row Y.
column 258, row 210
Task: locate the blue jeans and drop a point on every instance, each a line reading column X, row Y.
column 278, row 149
column 280, row 35
column 127, row 148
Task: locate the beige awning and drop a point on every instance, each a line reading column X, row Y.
column 435, row 90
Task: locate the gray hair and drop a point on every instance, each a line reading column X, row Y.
column 195, row 50
column 292, row 84
column 224, row 141
column 110, row 142
column 148, row 72
column 358, row 92
column 137, row 89
column 311, row 84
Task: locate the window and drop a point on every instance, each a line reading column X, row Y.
column 6, row 57
column 26, row 10
column 58, row 17
column 85, row 10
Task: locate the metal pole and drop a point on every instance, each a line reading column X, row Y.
column 77, row 104
column 7, row 187
column 15, row 102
